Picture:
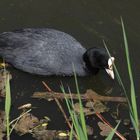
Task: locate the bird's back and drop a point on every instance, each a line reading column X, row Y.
column 42, row 51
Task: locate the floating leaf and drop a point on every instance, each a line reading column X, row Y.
column 97, row 106
column 26, row 123
column 105, row 129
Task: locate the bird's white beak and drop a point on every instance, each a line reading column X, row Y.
column 110, row 67
column 110, row 73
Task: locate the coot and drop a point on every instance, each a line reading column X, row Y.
column 46, row 51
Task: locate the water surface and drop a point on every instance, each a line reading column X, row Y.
column 90, row 22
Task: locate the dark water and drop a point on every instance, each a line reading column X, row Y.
column 89, row 21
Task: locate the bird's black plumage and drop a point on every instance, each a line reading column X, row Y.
column 50, row 52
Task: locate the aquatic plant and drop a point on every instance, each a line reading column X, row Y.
column 132, row 103
column 7, row 104
column 134, row 110
column 79, row 123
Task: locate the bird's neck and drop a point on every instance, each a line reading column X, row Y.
column 89, row 67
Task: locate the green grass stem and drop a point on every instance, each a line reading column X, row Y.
column 110, row 136
column 78, row 120
column 7, row 104
column 134, row 113
column 132, row 104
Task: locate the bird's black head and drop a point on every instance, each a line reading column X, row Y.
column 96, row 59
